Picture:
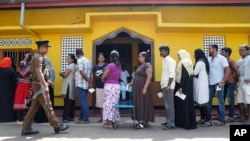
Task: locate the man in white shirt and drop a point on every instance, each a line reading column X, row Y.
column 218, row 73
column 243, row 96
column 167, row 86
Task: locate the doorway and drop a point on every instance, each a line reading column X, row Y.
column 124, row 49
column 127, row 43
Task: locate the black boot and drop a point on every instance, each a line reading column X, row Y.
column 62, row 127
column 29, row 132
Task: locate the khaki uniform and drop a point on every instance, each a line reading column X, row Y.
column 36, row 61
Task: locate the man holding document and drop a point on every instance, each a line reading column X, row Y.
column 167, row 86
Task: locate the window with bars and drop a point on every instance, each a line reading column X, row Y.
column 208, row 40
column 69, row 45
column 16, row 56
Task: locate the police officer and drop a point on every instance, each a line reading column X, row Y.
column 40, row 91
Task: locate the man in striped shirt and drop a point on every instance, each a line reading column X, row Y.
column 83, row 82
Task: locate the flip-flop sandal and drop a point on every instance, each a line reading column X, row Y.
column 65, row 121
column 201, row 121
column 219, row 123
column 108, row 126
column 139, row 126
column 206, row 124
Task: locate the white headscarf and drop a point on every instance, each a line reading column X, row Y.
column 185, row 60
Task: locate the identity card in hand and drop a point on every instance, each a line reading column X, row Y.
column 181, row 96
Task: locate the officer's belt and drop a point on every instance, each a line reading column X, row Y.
column 37, row 93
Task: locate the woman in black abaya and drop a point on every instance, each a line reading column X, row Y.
column 184, row 109
column 8, row 83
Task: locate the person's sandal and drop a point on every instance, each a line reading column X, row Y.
column 219, row 123
column 108, row 126
column 201, row 121
column 206, row 124
column 65, row 121
column 139, row 126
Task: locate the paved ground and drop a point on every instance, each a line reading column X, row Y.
column 95, row 132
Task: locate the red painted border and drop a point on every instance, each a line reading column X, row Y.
column 65, row 3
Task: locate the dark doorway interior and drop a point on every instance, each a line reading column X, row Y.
column 146, row 48
column 127, row 44
column 125, row 52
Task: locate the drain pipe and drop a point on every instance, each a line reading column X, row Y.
column 22, row 22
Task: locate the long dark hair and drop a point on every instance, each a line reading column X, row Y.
column 72, row 56
column 200, row 56
column 114, row 57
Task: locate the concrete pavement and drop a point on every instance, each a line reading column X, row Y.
column 125, row 132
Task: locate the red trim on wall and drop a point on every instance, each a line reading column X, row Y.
column 66, row 3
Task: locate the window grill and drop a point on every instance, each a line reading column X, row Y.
column 16, row 56
column 208, row 40
column 69, row 45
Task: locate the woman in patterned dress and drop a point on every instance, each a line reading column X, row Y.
column 111, row 94
column 143, row 92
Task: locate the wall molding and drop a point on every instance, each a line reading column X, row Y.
column 15, row 41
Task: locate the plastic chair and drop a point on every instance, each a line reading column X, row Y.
column 127, row 104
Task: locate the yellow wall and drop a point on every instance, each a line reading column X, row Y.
column 101, row 26
column 171, row 14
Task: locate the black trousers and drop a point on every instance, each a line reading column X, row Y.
column 20, row 115
column 204, row 113
column 69, row 107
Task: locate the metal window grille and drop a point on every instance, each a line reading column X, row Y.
column 16, row 56
column 69, row 45
column 208, row 40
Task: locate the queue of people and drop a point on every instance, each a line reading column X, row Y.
column 183, row 84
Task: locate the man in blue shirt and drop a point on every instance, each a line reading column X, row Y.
column 218, row 73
